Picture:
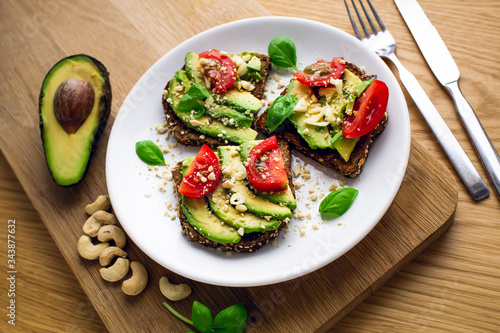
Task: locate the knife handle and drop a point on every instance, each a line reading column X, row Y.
column 464, row 167
column 482, row 143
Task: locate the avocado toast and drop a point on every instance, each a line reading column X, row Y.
column 322, row 139
column 235, row 216
column 214, row 97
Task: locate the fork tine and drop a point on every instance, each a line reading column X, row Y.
column 353, row 23
column 374, row 28
column 379, row 20
column 365, row 29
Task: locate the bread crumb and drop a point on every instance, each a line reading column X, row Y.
column 333, row 187
column 296, row 170
column 315, row 226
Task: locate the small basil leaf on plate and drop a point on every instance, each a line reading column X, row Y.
column 149, row 152
column 338, row 202
column 231, row 320
column 281, row 108
column 201, row 317
column 282, row 52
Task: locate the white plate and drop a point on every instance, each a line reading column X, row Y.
column 141, row 206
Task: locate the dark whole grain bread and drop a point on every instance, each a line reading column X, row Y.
column 249, row 242
column 188, row 136
column 328, row 157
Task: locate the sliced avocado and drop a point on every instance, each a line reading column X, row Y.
column 254, row 64
column 207, row 224
column 203, row 221
column 316, row 138
column 237, row 176
column 246, row 220
column 208, row 125
column 284, row 197
column 350, row 81
column 193, row 68
column 230, row 117
column 240, row 100
column 344, row 145
column 74, row 106
column 181, row 77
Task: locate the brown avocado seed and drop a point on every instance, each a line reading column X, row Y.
column 73, row 102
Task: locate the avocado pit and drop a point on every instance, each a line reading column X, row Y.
column 73, row 102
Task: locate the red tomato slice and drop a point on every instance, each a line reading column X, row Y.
column 265, row 168
column 321, row 73
column 221, row 71
column 203, row 175
column 368, row 110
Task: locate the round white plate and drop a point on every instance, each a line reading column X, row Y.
column 141, row 203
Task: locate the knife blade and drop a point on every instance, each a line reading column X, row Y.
column 429, row 41
column 446, row 71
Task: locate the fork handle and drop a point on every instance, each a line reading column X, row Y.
column 464, row 167
column 482, row 142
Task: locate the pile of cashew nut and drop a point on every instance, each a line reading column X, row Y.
column 102, row 225
column 115, row 266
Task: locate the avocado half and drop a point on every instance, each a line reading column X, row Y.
column 70, row 135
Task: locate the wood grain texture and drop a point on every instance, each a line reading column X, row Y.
column 453, row 286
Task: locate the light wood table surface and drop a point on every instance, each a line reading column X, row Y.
column 452, row 286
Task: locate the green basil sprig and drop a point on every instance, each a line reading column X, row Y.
column 193, row 101
column 230, row 320
column 338, row 202
column 281, row 108
column 149, row 152
column 282, row 52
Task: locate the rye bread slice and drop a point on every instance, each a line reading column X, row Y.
column 190, row 137
column 249, row 242
column 328, row 157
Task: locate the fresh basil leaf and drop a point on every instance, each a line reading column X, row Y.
column 361, row 87
column 198, row 92
column 149, row 152
column 188, row 104
column 281, row 108
column 282, row 52
column 201, row 317
column 192, row 101
column 338, row 202
column 231, row 320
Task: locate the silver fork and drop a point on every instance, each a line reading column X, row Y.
column 382, row 43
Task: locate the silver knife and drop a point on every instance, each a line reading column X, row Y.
column 446, row 71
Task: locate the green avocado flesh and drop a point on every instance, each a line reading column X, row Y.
column 227, row 116
column 235, row 173
column 201, row 218
column 68, row 153
column 206, row 223
column 216, row 219
column 284, row 197
column 326, row 137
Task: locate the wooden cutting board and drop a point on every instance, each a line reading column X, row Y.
column 129, row 37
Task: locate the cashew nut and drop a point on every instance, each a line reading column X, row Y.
column 136, row 284
column 96, row 221
column 115, row 272
column 88, row 250
column 109, row 254
column 174, row 292
column 101, row 203
column 112, row 232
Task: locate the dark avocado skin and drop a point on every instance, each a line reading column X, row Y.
column 104, row 109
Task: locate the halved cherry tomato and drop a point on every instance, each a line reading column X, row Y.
column 368, row 110
column 321, row 73
column 220, row 71
column 203, row 175
column 265, row 168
